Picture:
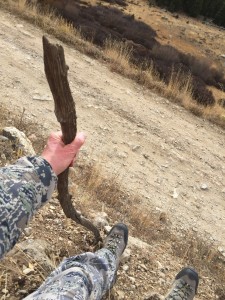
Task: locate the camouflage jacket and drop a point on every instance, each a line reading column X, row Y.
column 24, row 187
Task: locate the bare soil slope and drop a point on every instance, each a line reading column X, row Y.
column 173, row 160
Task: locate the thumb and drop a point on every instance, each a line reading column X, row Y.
column 76, row 143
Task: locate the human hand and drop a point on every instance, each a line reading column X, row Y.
column 59, row 155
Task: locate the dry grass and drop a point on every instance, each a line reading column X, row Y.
column 47, row 20
column 117, row 55
column 96, row 187
column 144, row 222
column 92, row 185
column 180, row 86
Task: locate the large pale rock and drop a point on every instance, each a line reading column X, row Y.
column 20, row 142
column 39, row 250
column 100, row 220
column 125, row 256
column 135, row 242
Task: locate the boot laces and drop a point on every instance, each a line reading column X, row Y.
column 113, row 242
column 182, row 290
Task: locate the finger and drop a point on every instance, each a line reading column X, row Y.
column 77, row 142
column 56, row 137
column 74, row 159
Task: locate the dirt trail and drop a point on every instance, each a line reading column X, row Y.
column 158, row 149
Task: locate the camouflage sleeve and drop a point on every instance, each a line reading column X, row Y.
column 24, row 187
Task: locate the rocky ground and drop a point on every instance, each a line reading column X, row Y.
column 170, row 159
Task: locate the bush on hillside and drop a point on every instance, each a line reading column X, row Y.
column 201, row 93
column 119, row 2
column 101, row 23
column 213, row 9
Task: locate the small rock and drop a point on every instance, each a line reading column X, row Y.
column 163, row 217
column 153, row 296
column 121, row 155
column 3, row 156
column 21, row 142
column 132, row 279
column 204, row 186
column 5, row 291
column 120, row 295
column 32, row 137
column 42, row 98
column 27, row 231
column 126, row 256
column 57, row 221
column 144, row 267
column 135, row 148
column 22, row 292
column 161, row 281
column 125, row 268
column 107, row 229
column 160, row 266
column 161, row 275
column 3, row 138
column 175, row 194
column 221, row 250
column 100, row 220
column 28, row 271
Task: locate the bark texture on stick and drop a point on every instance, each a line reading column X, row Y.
column 56, row 73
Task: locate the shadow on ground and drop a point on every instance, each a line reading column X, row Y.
column 101, row 22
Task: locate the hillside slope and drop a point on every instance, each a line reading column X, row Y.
column 171, row 42
column 172, row 159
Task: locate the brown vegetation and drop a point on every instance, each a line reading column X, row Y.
column 100, row 23
column 120, row 54
column 106, row 192
column 88, row 185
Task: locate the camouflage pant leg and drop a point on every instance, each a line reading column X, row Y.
column 81, row 277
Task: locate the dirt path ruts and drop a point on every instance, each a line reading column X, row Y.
column 155, row 146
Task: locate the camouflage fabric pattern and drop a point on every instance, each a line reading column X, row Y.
column 86, row 276
column 24, row 187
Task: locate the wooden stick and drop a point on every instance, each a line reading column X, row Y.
column 56, row 73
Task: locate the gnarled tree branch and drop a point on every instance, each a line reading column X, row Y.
column 56, row 73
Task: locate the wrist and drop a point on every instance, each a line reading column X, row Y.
column 49, row 162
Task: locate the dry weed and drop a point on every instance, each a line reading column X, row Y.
column 200, row 253
column 51, row 23
column 118, row 56
column 109, row 191
column 180, row 86
column 96, row 189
